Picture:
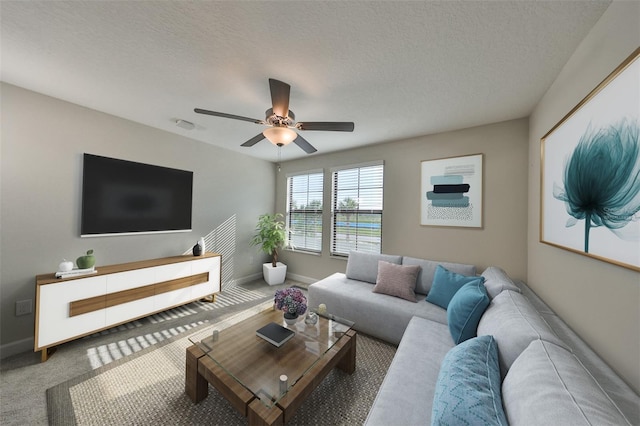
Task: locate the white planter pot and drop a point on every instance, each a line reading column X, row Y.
column 274, row 276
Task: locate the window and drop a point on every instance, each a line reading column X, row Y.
column 304, row 211
column 356, row 209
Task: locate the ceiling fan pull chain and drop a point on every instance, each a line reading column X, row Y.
column 279, row 156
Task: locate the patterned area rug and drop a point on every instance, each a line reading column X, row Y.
column 148, row 388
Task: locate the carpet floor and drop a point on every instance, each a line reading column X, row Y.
column 149, row 389
column 134, row 374
column 24, row 379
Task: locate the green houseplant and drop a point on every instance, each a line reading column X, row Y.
column 270, row 236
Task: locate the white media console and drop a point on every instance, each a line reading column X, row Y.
column 69, row 308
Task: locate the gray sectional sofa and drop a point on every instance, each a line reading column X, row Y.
column 547, row 374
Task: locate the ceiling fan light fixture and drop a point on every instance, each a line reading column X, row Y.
column 280, row 136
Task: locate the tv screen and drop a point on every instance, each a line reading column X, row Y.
column 125, row 197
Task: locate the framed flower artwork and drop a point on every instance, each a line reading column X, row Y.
column 590, row 172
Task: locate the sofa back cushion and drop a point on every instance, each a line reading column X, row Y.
column 446, row 284
column 428, row 269
column 513, row 321
column 468, row 387
column 496, row 280
column 364, row 266
column 548, row 385
column 397, row 280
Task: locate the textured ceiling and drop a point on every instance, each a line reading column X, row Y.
column 397, row 69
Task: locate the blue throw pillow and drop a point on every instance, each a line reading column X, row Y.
column 468, row 388
column 446, row 284
column 465, row 310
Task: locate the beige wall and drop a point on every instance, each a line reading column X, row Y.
column 600, row 301
column 501, row 242
column 43, row 140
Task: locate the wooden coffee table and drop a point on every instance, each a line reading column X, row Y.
column 246, row 369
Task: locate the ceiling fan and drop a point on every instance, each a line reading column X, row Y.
column 281, row 121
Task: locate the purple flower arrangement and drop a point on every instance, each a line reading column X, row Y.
column 291, row 300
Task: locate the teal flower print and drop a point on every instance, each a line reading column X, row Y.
column 602, row 179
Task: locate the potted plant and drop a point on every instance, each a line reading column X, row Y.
column 270, row 236
column 292, row 302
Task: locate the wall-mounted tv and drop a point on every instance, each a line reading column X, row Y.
column 124, row 197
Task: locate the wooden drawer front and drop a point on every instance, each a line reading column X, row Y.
column 126, row 304
column 213, row 284
column 180, row 283
column 168, row 295
column 55, row 323
column 123, row 312
column 138, row 294
column 175, row 292
column 171, row 298
column 199, row 291
column 130, row 279
column 172, row 272
column 84, row 306
column 205, row 265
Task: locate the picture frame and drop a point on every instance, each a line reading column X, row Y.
column 451, row 192
column 590, row 172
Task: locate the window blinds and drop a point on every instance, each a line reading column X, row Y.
column 356, row 209
column 304, row 211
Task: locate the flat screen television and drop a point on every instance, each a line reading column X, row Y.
column 124, row 197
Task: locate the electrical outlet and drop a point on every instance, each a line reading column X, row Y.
column 23, row 307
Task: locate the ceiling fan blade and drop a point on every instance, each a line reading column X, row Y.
column 254, row 140
column 326, row 125
column 225, row 115
column 306, row 146
column 279, row 97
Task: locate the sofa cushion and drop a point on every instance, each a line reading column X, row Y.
column 468, row 387
column 514, row 323
column 625, row 398
column 397, row 280
column 549, row 385
column 364, row 266
column 496, row 280
column 465, row 310
column 446, row 284
column 428, row 269
column 406, row 394
column 374, row 314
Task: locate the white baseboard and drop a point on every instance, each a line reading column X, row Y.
column 257, row 276
column 301, row 278
column 248, row 278
column 18, row 347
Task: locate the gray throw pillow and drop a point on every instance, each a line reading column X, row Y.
column 364, row 266
column 397, row 280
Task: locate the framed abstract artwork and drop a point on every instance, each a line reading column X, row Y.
column 451, row 192
column 590, row 172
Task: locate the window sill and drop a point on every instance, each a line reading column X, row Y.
column 311, row 253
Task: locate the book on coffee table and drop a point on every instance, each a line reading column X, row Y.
column 275, row 334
